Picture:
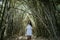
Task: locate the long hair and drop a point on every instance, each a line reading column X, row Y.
column 29, row 22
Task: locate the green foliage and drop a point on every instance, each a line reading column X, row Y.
column 44, row 14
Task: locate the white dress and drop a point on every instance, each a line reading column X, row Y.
column 29, row 30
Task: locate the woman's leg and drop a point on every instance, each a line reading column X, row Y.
column 28, row 37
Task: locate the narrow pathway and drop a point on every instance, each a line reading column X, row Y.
column 33, row 38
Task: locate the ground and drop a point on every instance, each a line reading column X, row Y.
column 33, row 38
column 25, row 38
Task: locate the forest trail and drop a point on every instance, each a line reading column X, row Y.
column 33, row 38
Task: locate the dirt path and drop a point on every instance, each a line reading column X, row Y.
column 33, row 38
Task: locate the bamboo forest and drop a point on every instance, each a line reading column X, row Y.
column 44, row 16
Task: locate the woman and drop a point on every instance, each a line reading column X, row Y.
column 29, row 31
